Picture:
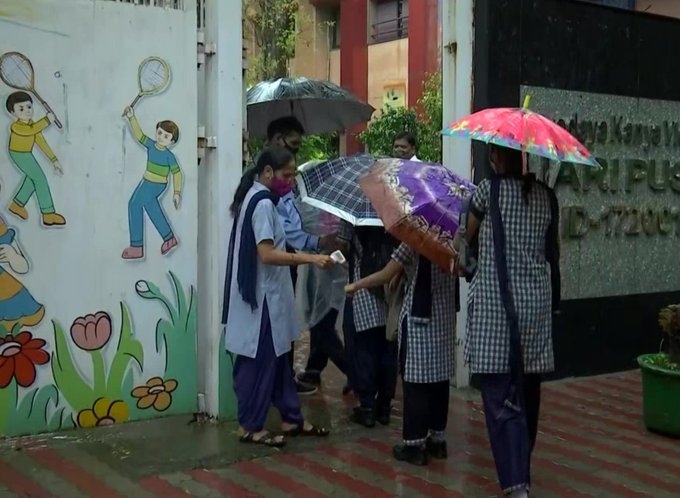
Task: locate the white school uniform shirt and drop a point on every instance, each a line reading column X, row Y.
column 274, row 284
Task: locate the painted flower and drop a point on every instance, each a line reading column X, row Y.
column 143, row 290
column 102, row 413
column 91, row 332
column 155, row 393
column 18, row 357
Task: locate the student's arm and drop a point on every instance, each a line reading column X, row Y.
column 264, row 219
column 177, row 182
column 11, row 255
column 378, row 279
column 296, row 237
column 401, row 258
column 135, row 126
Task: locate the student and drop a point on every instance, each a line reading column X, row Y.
column 509, row 330
column 24, row 135
column 371, row 359
column 161, row 163
column 426, row 351
column 259, row 302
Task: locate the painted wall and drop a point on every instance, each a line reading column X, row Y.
column 387, row 69
column 90, row 338
column 335, row 66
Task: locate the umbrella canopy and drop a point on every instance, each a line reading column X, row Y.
column 522, row 129
column 333, row 187
column 314, row 220
column 420, row 204
column 321, row 106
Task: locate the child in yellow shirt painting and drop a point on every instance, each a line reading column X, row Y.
column 24, row 135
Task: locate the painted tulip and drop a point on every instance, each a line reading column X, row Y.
column 143, row 290
column 91, row 332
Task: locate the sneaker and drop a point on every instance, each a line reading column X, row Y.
column 363, row 416
column 304, row 389
column 415, row 455
column 310, row 378
column 437, row 450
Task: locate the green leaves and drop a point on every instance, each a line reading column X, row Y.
column 75, row 390
column 129, row 348
column 426, row 126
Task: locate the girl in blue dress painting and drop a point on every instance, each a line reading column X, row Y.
column 17, row 306
column 259, row 305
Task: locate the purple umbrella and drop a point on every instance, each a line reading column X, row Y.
column 419, row 204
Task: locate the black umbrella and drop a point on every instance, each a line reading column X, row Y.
column 321, row 106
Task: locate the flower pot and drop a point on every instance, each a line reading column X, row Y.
column 660, row 397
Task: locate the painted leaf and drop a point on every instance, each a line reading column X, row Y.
column 129, row 348
column 31, row 414
column 180, row 297
column 8, row 399
column 75, row 390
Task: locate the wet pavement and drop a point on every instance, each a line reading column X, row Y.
column 591, row 443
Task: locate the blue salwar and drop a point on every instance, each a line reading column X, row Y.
column 264, row 381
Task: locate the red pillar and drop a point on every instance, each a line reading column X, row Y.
column 423, row 45
column 354, row 58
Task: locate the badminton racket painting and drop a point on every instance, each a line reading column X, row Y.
column 153, row 77
column 17, row 72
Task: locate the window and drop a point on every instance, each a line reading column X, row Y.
column 621, row 4
column 334, row 28
column 389, row 20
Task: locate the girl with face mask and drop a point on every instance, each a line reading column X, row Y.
column 258, row 300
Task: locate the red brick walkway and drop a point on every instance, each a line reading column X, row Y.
column 591, row 443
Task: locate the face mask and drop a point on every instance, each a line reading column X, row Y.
column 281, row 187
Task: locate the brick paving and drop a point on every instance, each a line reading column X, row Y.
column 591, row 444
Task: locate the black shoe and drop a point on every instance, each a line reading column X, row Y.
column 363, row 416
column 304, row 389
column 311, row 379
column 437, row 450
column 384, row 415
column 415, row 455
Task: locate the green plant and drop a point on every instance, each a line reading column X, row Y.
column 379, row 136
column 669, row 321
column 78, row 392
column 273, row 25
column 176, row 335
column 32, row 412
column 425, row 124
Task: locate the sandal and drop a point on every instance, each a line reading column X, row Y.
column 266, row 439
column 313, row 431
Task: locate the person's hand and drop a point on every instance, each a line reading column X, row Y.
column 10, row 256
column 51, row 117
column 350, row 289
column 129, row 112
column 177, row 200
column 330, row 243
column 322, row 261
column 57, row 167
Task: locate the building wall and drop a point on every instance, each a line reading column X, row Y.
column 335, row 66
column 312, row 52
column 96, row 339
column 670, row 8
column 387, row 70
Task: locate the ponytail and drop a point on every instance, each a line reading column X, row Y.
column 247, row 181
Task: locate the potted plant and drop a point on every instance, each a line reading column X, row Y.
column 661, row 378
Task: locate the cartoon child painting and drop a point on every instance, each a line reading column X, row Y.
column 160, row 164
column 24, row 135
column 17, row 306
